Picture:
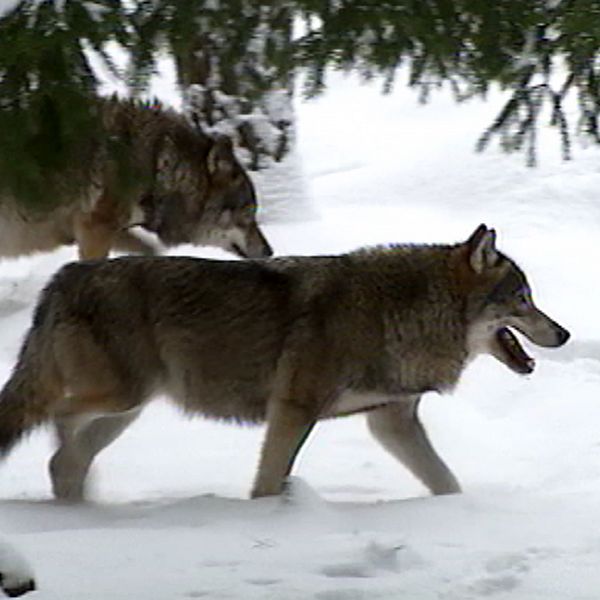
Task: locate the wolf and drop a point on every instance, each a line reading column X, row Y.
column 182, row 185
column 286, row 341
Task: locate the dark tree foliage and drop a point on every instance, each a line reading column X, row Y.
column 231, row 55
column 46, row 83
column 537, row 50
column 234, row 59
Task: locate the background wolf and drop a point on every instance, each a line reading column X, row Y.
column 149, row 167
column 289, row 341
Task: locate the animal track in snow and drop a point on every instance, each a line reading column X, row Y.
column 358, row 570
column 518, row 563
column 373, row 557
column 503, row 574
column 487, row 586
column 263, row 581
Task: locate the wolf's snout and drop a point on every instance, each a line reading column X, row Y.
column 267, row 251
column 540, row 329
column 263, row 251
column 257, row 244
column 562, row 336
column 554, row 336
column 546, row 337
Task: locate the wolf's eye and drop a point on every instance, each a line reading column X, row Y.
column 246, row 215
column 523, row 298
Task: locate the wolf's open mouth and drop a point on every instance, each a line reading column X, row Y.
column 513, row 353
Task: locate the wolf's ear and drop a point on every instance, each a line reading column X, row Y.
column 482, row 249
column 221, row 159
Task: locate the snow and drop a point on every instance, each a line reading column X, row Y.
column 15, row 573
column 95, row 11
column 7, row 6
column 170, row 515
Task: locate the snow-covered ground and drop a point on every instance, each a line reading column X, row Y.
column 170, row 516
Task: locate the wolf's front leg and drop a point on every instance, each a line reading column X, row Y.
column 126, row 241
column 288, row 426
column 398, row 429
column 94, row 239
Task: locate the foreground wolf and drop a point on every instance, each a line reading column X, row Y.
column 288, row 341
column 184, row 186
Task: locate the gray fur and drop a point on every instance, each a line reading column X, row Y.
column 184, row 186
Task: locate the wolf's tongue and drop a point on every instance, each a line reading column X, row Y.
column 519, row 360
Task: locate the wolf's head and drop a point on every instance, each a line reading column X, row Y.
column 232, row 208
column 498, row 299
column 204, row 196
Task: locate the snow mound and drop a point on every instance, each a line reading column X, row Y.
column 16, row 576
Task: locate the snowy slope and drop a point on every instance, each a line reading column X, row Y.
column 171, row 517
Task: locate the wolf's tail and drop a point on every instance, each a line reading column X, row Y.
column 23, row 404
column 17, row 400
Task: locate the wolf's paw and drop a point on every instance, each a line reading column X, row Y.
column 68, row 477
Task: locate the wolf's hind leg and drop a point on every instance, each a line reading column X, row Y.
column 81, row 438
column 398, row 429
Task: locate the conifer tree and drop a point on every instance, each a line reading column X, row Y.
column 237, row 59
column 234, row 65
column 46, row 83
